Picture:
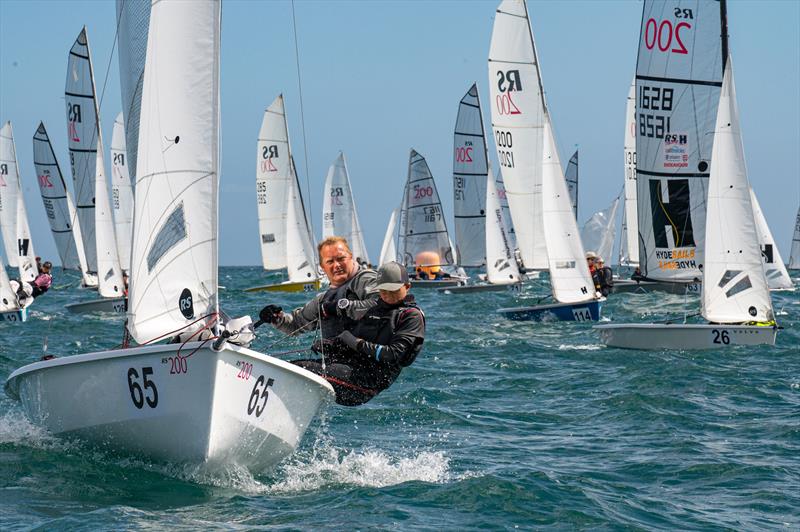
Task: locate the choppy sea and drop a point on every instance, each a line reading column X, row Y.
column 497, row 425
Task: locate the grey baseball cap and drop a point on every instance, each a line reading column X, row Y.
column 392, row 276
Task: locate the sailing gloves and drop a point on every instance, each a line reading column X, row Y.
column 270, row 314
column 330, row 309
column 349, row 340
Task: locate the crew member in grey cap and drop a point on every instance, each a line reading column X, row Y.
column 365, row 360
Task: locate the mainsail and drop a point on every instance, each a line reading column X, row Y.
column 8, row 299
column 501, row 195
column 682, row 47
column 518, row 116
column 501, row 265
column 469, row 180
column 571, row 176
column 426, row 241
column 133, row 19
column 300, row 263
column 109, row 271
column 569, row 273
column 794, row 254
column 174, row 258
column 82, row 137
column 777, row 276
column 16, row 233
column 389, row 248
column 734, row 285
column 121, row 194
column 598, row 233
column 339, row 215
column 58, row 205
column 629, row 245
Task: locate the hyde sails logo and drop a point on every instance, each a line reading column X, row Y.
column 508, row 82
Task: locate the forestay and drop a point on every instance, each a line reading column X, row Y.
column 388, row 248
column 469, row 180
column 82, row 137
column 678, row 79
column 339, row 215
column 133, row 20
column 13, row 217
column 300, row 256
column 272, row 184
column 571, row 177
column 518, row 115
column 794, row 255
column 777, row 276
column 174, row 258
column 425, row 228
column 58, row 204
column 569, row 274
column 121, row 193
column 629, row 244
column 501, row 266
column 109, row 272
column 734, row 286
column 598, row 233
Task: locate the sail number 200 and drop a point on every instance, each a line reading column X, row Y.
column 666, row 36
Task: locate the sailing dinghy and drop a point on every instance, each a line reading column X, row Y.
column 203, row 399
column 735, row 300
column 774, row 268
column 424, row 242
column 285, row 233
column 339, row 217
column 11, row 308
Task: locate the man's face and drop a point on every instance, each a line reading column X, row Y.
column 396, row 296
column 337, row 263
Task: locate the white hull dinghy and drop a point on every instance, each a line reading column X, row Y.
column 178, row 403
column 736, row 299
column 208, row 399
column 116, row 305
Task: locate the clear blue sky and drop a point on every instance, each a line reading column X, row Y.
column 382, row 77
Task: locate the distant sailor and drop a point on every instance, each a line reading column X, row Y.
column 365, row 360
column 351, row 294
column 603, row 277
column 43, row 281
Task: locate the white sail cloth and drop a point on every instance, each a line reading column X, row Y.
column 501, row 265
column 58, row 203
column 678, row 79
column 734, row 285
column 629, row 246
column 774, row 268
column 174, row 258
column 518, row 115
column 8, row 299
column 426, row 241
column 469, row 180
column 571, row 177
column 82, row 137
column 109, row 271
column 569, row 274
column 121, row 193
column 794, row 255
column 389, row 248
column 599, row 231
column 339, row 216
column 16, row 233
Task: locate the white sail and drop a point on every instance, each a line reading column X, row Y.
column 301, row 265
column 58, row 205
column 273, row 173
column 518, row 115
column 734, row 285
column 402, row 225
column 426, row 240
column 774, row 268
column 8, row 299
column 469, row 180
column 339, row 217
column 569, row 274
column 571, row 176
column 109, row 271
column 501, row 195
column 388, row 249
column 133, row 20
column 501, row 266
column 794, row 254
column 174, row 258
column 82, row 135
column 121, row 194
column 678, row 79
column 16, row 233
column 598, row 233
column 629, row 245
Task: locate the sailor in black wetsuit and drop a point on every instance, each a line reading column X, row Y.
column 365, row 360
column 352, row 292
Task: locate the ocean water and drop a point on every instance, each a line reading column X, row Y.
column 497, row 425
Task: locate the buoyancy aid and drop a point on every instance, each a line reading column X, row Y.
column 334, row 325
